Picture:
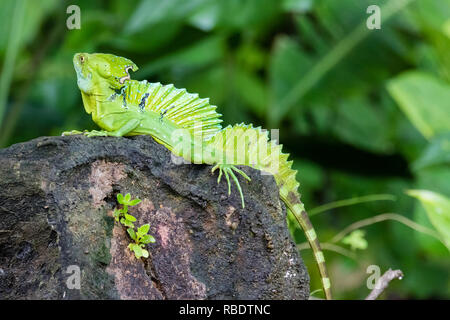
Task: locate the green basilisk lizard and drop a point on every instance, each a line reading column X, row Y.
column 189, row 127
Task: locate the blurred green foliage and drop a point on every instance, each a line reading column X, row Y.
column 362, row 112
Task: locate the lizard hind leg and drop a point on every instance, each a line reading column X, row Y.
column 229, row 171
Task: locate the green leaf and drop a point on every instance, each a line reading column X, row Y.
column 424, row 99
column 137, row 251
column 120, row 198
column 251, row 89
column 436, row 153
column 334, row 55
column 247, row 15
column 144, row 253
column 150, row 12
column 287, row 64
column 297, row 6
column 117, row 214
column 131, row 233
column 134, row 202
column 33, row 16
column 142, row 230
column 206, row 18
column 362, row 124
column 127, row 198
column 356, row 240
column 147, row 239
column 126, row 223
column 129, row 217
column 198, row 55
column 437, row 207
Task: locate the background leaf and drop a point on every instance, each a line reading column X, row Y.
column 436, row 153
column 438, row 210
column 356, row 240
column 425, row 100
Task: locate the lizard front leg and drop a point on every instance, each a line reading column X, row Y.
column 129, row 126
column 72, row 132
column 126, row 128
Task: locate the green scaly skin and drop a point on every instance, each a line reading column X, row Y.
column 189, row 127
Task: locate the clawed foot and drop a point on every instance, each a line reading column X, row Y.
column 93, row 133
column 71, row 133
column 96, row 133
column 228, row 170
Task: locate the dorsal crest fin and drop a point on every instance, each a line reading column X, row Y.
column 185, row 110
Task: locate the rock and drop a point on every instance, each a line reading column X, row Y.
column 58, row 239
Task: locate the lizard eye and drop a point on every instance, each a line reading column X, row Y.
column 82, row 59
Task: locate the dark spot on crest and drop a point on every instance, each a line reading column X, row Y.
column 163, row 113
column 143, row 101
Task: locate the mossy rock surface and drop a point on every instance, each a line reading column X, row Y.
column 58, row 194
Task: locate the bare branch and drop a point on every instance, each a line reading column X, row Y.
column 383, row 282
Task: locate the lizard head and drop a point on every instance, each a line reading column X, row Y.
column 99, row 70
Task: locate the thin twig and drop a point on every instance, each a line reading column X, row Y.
column 383, row 283
column 383, row 217
column 330, row 247
column 349, row 202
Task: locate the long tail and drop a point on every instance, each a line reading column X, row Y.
column 242, row 144
column 285, row 178
column 303, row 220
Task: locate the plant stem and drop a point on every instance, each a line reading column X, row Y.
column 383, row 217
column 330, row 247
column 11, row 53
column 351, row 201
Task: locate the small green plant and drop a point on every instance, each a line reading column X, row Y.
column 140, row 236
column 121, row 215
column 356, row 240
